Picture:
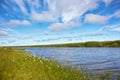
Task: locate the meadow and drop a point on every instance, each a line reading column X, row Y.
column 20, row 65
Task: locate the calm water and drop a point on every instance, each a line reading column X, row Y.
column 94, row 59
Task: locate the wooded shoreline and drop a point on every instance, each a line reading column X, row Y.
column 115, row 43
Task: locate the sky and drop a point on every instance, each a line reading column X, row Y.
column 39, row 22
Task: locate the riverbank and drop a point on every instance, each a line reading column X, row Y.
column 115, row 43
column 19, row 65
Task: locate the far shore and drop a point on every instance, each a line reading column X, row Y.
column 115, row 43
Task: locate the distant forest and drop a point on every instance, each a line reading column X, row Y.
column 83, row 44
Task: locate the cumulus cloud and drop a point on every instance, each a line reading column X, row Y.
column 96, row 19
column 112, row 28
column 61, row 26
column 3, row 33
column 63, row 8
column 42, row 17
column 59, row 9
column 17, row 23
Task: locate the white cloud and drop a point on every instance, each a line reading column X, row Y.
column 116, row 29
column 112, row 27
column 17, row 23
column 43, row 17
column 46, row 33
column 7, row 29
column 70, row 12
column 107, row 2
column 3, row 33
column 117, row 13
column 70, row 9
column 96, row 19
column 61, row 26
column 21, row 5
column 67, row 10
column 34, row 3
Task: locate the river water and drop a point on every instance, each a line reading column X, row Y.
column 90, row 59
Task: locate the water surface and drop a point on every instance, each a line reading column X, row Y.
column 90, row 59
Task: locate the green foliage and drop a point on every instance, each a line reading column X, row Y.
column 106, row 76
column 118, row 77
column 85, row 44
column 19, row 65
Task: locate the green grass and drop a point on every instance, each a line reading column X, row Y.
column 19, row 65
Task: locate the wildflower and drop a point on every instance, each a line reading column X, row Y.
column 13, row 60
column 34, row 59
column 25, row 58
column 84, row 76
column 49, row 67
column 41, row 61
column 58, row 66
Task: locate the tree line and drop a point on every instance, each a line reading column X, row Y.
column 85, row 44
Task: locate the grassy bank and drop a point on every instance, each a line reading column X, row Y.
column 19, row 65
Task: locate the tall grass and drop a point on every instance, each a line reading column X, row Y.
column 19, row 65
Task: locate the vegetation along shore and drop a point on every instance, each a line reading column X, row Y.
column 20, row 65
column 115, row 43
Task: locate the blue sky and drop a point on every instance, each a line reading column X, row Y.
column 34, row 22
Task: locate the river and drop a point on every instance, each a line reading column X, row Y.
column 96, row 60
